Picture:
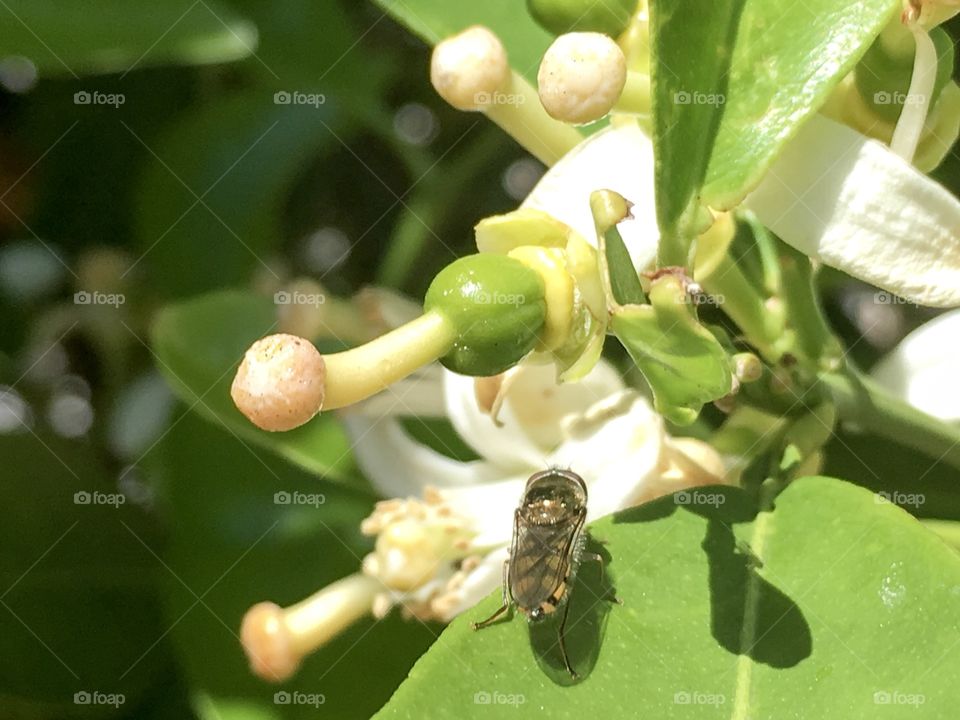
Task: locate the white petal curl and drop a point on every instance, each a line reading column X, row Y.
column 922, row 369
column 852, row 203
column 617, row 158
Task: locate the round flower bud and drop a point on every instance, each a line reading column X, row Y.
column 469, row 68
column 496, row 305
column 562, row 16
column 581, row 77
column 280, row 383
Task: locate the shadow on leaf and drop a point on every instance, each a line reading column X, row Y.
column 590, row 601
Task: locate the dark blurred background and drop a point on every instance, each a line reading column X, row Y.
column 129, row 171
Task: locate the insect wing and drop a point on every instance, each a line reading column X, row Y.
column 540, row 561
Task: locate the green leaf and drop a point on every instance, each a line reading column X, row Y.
column 209, row 206
column 106, row 36
column 826, row 604
column 434, row 20
column 684, row 364
column 233, row 546
column 198, row 346
column 690, row 47
column 734, row 81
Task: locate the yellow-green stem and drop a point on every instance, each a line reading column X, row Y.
column 356, row 374
column 517, row 109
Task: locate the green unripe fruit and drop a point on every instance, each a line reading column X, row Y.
column 496, row 305
column 563, row 16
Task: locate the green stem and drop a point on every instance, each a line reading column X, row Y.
column 519, row 112
column 814, row 337
column 860, row 400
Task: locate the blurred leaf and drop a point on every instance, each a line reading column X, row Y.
column 79, row 605
column 105, row 36
column 209, row 206
column 234, row 546
column 434, row 20
column 684, row 364
column 199, row 344
column 826, row 605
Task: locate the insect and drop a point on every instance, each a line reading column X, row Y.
column 546, row 550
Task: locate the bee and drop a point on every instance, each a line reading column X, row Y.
column 546, row 550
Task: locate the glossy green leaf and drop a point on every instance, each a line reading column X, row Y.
column 826, row 604
column 690, row 47
column 107, row 36
column 209, row 205
column 684, row 364
column 733, row 82
column 232, row 545
column 198, row 346
column 433, row 20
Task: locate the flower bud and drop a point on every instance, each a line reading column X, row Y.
column 280, row 384
column 561, row 16
column 497, row 308
column 581, row 77
column 467, row 69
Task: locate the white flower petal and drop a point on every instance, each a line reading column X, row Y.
column 490, row 506
column 617, row 452
column 399, row 466
column 850, row 202
column 922, row 369
column 531, row 416
column 618, row 158
column 487, row 576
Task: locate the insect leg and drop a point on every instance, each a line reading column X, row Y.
column 503, row 608
column 603, row 569
column 563, row 643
